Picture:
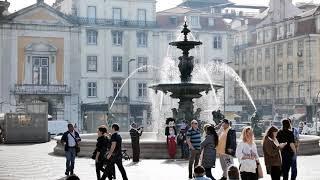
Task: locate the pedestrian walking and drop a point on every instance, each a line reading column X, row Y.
column 135, row 134
column 70, row 139
column 272, row 155
column 285, row 135
column 100, row 151
column 115, row 154
column 248, row 155
column 294, row 170
column 182, row 142
column 227, row 145
column 193, row 140
column 171, row 133
column 208, row 150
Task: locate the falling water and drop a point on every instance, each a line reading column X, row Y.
column 135, row 71
column 229, row 71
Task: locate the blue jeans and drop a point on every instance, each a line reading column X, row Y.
column 71, row 156
column 294, row 171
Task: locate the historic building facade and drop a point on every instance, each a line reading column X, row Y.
column 276, row 55
column 39, row 60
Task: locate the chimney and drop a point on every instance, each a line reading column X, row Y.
column 4, row 5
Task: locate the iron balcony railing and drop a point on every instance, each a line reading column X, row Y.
column 113, row 22
column 33, row 89
column 120, row 99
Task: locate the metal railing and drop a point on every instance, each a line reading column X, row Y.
column 31, row 89
column 113, row 22
column 120, row 99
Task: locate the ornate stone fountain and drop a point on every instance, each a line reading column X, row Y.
column 186, row 90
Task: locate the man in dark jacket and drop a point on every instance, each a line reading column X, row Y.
column 227, row 146
column 135, row 134
column 70, row 140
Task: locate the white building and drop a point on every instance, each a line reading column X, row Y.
column 117, row 37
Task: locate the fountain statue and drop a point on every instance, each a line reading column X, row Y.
column 186, row 90
column 257, row 130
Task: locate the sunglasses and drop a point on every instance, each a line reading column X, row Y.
column 194, row 123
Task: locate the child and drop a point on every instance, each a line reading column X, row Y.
column 199, row 173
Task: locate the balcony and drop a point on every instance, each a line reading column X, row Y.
column 113, row 22
column 34, row 89
column 120, row 99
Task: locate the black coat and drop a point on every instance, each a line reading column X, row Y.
column 231, row 142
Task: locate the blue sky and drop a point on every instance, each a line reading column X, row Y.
column 161, row 4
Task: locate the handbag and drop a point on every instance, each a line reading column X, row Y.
column 77, row 145
column 259, row 171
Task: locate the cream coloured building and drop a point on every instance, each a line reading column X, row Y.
column 276, row 54
column 39, row 60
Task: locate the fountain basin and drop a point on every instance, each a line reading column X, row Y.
column 187, row 90
column 154, row 147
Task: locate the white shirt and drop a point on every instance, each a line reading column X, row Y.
column 71, row 140
column 245, row 149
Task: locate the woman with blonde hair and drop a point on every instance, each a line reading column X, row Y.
column 248, row 155
column 271, row 151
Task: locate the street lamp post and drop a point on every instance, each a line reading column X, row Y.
column 224, row 90
column 318, row 113
column 130, row 60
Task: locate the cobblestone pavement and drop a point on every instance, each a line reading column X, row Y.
column 36, row 162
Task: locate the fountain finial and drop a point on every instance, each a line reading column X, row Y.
column 185, row 30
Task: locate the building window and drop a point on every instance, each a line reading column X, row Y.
column 236, row 58
column 290, row 48
column 280, row 32
column 142, row 14
column 300, row 70
column 210, row 21
column 92, row 37
column 267, row 73
column 280, row 50
column 142, row 89
column 259, row 55
column 92, row 64
column 92, row 89
column 243, row 57
column 251, row 56
column 117, row 38
column 244, row 76
column 290, row 29
column 217, row 42
column 116, row 88
column 142, row 39
column 142, row 63
column 91, row 12
column 259, row 74
column 171, row 37
column 117, row 64
column 300, row 47
column 116, row 15
column 301, row 91
column 194, row 20
column 280, row 72
column 251, row 74
column 40, row 70
column 280, row 92
column 173, row 20
column 289, row 71
column 267, row 53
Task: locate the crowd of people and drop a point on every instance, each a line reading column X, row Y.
column 279, row 149
column 219, row 141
